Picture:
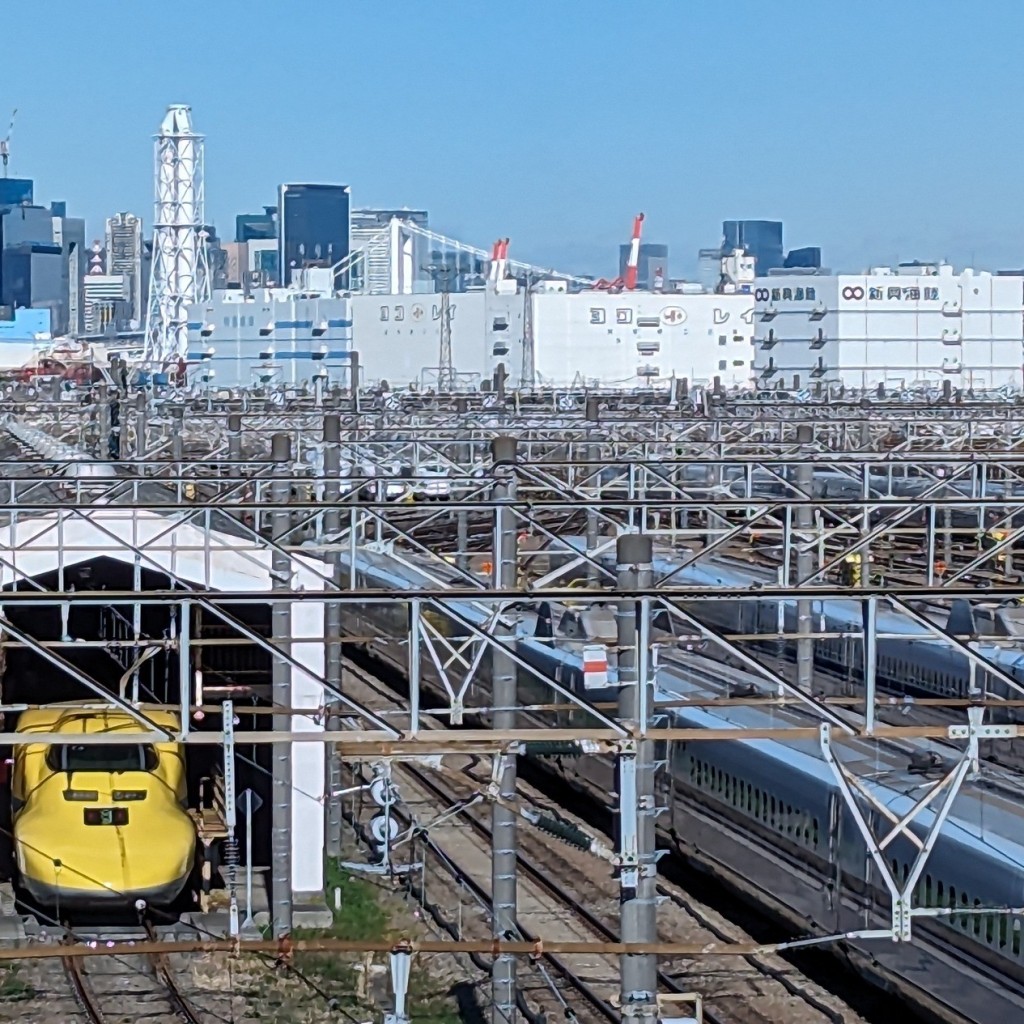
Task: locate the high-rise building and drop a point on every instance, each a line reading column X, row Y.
column 107, row 302
column 313, row 227
column 264, row 261
column 32, row 263
column 392, row 257
column 69, row 234
column 15, row 191
column 652, row 265
column 124, row 256
column 709, row 268
column 808, row 258
column 216, row 257
column 251, row 227
column 236, row 262
column 761, row 239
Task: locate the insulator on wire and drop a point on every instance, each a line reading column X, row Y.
column 565, row 831
column 550, row 748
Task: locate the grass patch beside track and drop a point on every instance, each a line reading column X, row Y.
column 357, row 988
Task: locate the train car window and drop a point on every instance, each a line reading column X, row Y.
column 101, row 757
column 1016, row 936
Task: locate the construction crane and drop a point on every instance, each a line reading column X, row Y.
column 632, row 263
column 5, row 144
column 499, row 260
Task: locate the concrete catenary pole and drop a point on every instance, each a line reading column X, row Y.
column 638, row 873
column 592, row 453
column 178, row 436
column 804, row 521
column 332, row 624
column 141, row 425
column 235, row 439
column 280, row 624
column 503, row 671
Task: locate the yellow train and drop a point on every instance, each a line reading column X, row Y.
column 100, row 824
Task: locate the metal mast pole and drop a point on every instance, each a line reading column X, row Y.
column 281, row 818
column 503, row 669
column 332, row 624
column 442, row 273
column 638, row 868
column 592, row 454
column 528, row 374
column 446, row 371
column 804, row 519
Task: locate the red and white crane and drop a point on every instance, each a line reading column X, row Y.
column 634, row 253
column 627, row 281
column 499, row 260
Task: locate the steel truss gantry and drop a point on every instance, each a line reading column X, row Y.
column 649, row 495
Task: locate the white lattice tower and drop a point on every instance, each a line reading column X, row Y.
column 179, row 271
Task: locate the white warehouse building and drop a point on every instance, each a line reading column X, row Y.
column 917, row 325
column 625, row 339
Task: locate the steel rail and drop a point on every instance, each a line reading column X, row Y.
column 543, row 879
column 162, row 969
column 74, row 968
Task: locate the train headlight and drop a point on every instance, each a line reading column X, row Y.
column 81, row 795
column 128, row 794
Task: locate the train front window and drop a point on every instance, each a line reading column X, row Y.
column 102, row 757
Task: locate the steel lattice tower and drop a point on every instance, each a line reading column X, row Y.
column 179, row 273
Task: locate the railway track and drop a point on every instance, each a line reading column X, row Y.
column 737, row 990
column 118, row 989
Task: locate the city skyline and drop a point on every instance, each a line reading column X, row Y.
column 798, row 134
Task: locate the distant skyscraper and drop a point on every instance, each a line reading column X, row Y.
column 709, row 268
column 124, row 256
column 15, row 191
column 313, row 227
column 252, row 227
column 761, row 239
column 652, row 265
column 69, row 234
column 107, row 302
column 32, row 266
column 216, row 257
column 264, row 261
column 809, row 257
column 392, row 258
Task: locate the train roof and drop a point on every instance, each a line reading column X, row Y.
column 982, row 818
column 83, row 717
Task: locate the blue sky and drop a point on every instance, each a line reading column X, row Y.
column 880, row 131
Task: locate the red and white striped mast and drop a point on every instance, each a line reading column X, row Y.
column 502, row 258
column 633, row 263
